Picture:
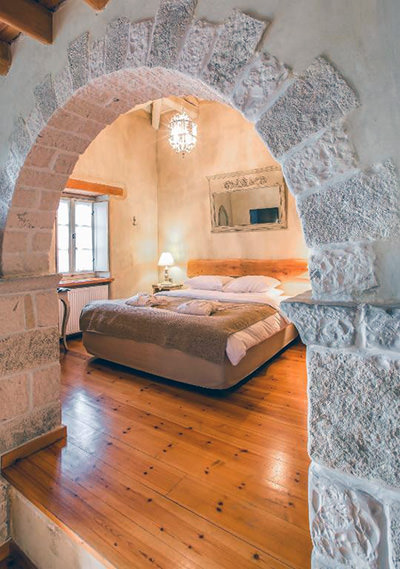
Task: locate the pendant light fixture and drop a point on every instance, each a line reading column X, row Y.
column 182, row 133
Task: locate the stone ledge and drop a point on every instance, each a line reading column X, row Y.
column 322, row 323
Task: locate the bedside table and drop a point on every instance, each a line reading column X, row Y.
column 161, row 287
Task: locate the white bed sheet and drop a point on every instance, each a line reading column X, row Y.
column 239, row 342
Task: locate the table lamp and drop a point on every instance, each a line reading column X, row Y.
column 166, row 260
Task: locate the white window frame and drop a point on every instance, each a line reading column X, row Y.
column 72, row 199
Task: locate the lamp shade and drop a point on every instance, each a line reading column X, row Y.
column 166, row 259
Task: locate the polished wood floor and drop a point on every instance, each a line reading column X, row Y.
column 158, row 474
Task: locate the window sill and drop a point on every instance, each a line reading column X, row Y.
column 91, row 281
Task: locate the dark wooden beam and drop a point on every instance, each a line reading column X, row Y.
column 28, row 17
column 5, row 58
column 97, row 4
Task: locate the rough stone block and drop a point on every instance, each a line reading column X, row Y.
column 233, row 49
column 46, row 385
column 394, row 533
column 12, row 318
column 28, row 350
column 139, row 43
column 35, row 123
column 197, row 47
column 42, row 179
column 6, row 186
column 97, row 57
column 49, row 200
column 27, row 198
column 15, row 241
column 4, row 509
column 347, row 525
column 326, row 157
column 78, row 57
column 41, row 241
column 345, row 386
column 366, row 206
column 382, row 327
column 40, row 157
column 171, row 24
column 53, row 138
column 17, row 431
column 318, row 98
column 343, row 273
column 46, row 308
column 45, row 97
column 322, row 324
column 263, row 78
column 14, row 397
column 30, row 319
column 63, row 87
column 16, row 264
column 20, row 142
column 3, row 215
column 21, row 219
column 65, row 163
column 116, row 44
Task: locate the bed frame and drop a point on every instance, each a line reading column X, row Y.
column 179, row 366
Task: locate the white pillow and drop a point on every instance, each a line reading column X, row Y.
column 208, row 282
column 251, row 283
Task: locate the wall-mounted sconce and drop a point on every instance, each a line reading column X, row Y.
column 134, row 223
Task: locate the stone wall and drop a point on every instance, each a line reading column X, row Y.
column 350, row 217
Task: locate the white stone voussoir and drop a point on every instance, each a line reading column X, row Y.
column 259, row 84
column 139, row 43
column 196, row 49
column 116, row 44
column 322, row 324
column 329, row 155
column 171, row 25
column 78, row 57
column 237, row 40
column 365, row 206
column 317, row 99
column 354, row 414
column 342, row 273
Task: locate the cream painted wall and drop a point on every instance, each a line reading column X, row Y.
column 123, row 154
column 169, row 195
column 226, row 143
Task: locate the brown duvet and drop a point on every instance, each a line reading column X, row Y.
column 201, row 336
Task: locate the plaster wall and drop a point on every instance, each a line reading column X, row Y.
column 124, row 154
column 226, row 143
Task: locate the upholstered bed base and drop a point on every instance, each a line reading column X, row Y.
column 179, row 366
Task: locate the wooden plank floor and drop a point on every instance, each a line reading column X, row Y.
column 157, row 474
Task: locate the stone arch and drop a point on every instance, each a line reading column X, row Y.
column 346, row 215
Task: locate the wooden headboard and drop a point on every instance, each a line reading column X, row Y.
column 282, row 269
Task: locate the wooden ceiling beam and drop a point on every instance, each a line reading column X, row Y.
column 5, row 58
column 28, row 17
column 74, row 184
column 97, row 4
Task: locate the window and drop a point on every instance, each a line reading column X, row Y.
column 82, row 235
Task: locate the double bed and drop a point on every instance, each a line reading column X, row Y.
column 215, row 351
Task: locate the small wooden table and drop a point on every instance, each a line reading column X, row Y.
column 161, row 287
column 63, row 297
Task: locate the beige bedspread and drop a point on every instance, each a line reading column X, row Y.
column 201, row 336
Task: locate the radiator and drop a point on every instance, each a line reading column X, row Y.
column 78, row 297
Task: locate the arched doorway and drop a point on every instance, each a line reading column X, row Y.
column 344, row 211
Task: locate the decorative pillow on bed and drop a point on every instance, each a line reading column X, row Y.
column 251, row 283
column 208, row 282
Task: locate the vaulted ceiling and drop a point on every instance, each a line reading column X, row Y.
column 31, row 17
